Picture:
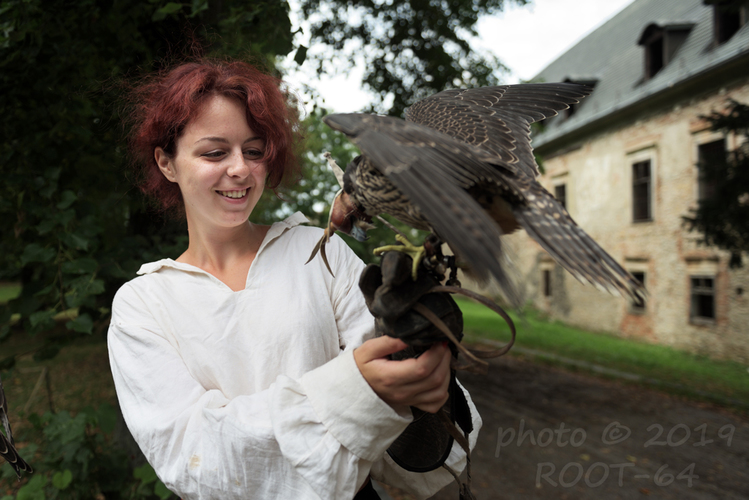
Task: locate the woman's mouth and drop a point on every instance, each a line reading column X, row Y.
column 233, row 194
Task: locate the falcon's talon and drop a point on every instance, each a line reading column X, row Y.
column 416, row 253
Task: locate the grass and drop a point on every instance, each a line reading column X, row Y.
column 79, row 377
column 726, row 380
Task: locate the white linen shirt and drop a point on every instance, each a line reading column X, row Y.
column 255, row 393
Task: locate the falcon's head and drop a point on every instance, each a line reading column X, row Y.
column 346, row 217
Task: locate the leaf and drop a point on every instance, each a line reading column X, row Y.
column 166, row 10
column 301, row 55
column 62, row 480
column 68, row 197
column 36, row 253
column 33, row 490
column 46, row 226
column 81, row 324
column 61, row 218
column 198, row 6
column 85, row 265
column 76, row 241
column 42, row 318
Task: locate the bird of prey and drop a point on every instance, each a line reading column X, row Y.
column 461, row 165
column 7, row 446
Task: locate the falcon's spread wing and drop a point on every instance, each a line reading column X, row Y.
column 437, row 173
column 433, row 171
column 465, row 163
column 497, row 119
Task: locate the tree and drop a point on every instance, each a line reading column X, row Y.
column 73, row 226
column 723, row 216
column 74, row 229
column 411, row 48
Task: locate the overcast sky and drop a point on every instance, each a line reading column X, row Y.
column 526, row 39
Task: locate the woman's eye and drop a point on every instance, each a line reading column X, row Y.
column 254, row 153
column 214, row 154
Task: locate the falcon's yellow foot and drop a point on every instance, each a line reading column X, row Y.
column 416, row 253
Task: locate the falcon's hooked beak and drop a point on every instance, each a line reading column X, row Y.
column 346, row 218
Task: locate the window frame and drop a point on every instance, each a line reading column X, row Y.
column 646, row 151
column 648, row 198
column 694, row 318
column 705, row 190
column 739, row 14
column 546, row 283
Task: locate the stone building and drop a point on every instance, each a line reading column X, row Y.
column 625, row 164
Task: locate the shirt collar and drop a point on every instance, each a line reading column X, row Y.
column 276, row 230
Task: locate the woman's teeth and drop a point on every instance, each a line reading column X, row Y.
column 233, row 194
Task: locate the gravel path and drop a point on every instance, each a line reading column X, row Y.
column 553, row 434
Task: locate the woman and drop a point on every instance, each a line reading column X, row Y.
column 241, row 372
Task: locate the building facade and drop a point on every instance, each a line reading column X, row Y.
column 625, row 164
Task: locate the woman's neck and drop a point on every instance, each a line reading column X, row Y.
column 227, row 253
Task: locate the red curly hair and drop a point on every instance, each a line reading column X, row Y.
column 165, row 104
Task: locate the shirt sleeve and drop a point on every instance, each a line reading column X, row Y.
column 327, row 427
column 425, row 484
column 350, row 309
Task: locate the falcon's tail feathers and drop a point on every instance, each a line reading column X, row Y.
column 9, row 453
column 7, row 448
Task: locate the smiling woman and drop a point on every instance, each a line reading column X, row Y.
column 219, row 166
column 168, row 102
column 240, row 371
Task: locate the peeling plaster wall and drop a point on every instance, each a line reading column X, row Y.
column 598, row 178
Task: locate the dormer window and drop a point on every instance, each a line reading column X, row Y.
column 728, row 18
column 660, row 44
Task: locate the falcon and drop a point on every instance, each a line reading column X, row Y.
column 461, row 166
column 7, row 447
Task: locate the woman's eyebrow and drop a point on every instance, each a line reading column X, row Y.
column 225, row 141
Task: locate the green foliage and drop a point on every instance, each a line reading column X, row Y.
column 723, row 217
column 78, row 459
column 411, row 48
column 74, row 228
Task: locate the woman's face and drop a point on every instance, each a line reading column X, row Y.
column 219, row 166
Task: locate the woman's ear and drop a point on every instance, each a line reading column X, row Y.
column 164, row 161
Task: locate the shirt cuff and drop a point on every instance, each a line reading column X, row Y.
column 352, row 412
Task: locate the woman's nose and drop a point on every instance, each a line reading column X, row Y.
column 238, row 166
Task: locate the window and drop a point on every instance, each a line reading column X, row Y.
column 703, row 299
column 654, row 57
column 547, row 282
column 660, row 44
column 728, row 18
column 641, row 209
column 638, row 305
column 709, row 153
column 560, row 193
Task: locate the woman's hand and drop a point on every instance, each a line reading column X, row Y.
column 421, row 382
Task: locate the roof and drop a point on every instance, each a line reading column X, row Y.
column 611, row 55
